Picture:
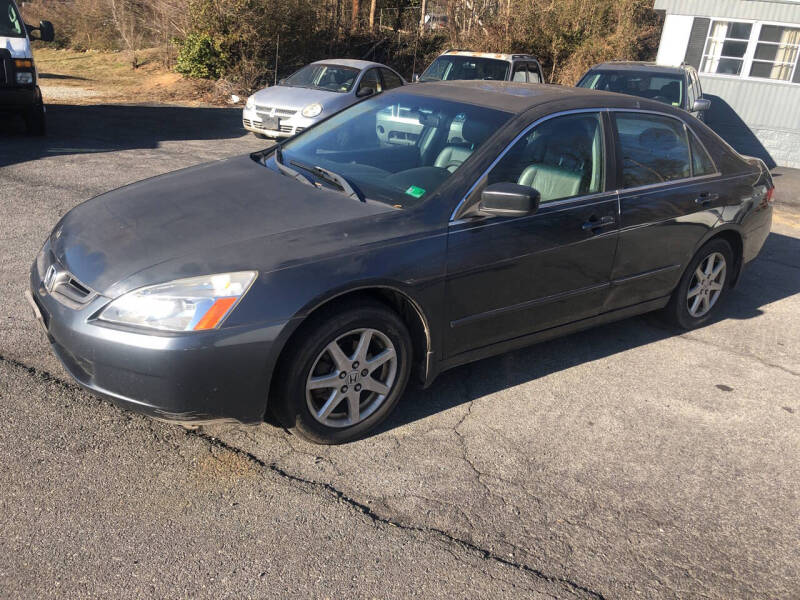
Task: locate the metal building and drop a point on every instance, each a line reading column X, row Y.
column 747, row 53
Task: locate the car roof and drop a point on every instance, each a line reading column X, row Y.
column 514, row 97
column 498, row 55
column 638, row 66
column 349, row 62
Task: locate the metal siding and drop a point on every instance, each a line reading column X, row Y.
column 759, row 104
column 782, row 12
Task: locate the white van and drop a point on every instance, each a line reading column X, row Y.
column 19, row 92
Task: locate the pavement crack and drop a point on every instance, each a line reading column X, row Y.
column 339, row 495
column 368, row 512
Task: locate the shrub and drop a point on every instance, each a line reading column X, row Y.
column 199, row 57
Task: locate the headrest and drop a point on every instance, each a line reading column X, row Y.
column 658, row 137
column 475, row 131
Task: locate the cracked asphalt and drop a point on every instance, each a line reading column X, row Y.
column 625, row 461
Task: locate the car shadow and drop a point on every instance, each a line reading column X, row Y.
column 763, row 282
column 727, row 123
column 75, row 129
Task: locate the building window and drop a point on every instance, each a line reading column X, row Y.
column 755, row 50
column 775, row 55
column 726, row 47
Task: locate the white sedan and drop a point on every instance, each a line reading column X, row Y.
column 314, row 92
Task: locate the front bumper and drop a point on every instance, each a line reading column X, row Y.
column 197, row 377
column 288, row 126
column 17, row 99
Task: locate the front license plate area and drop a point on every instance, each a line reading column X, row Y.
column 272, row 123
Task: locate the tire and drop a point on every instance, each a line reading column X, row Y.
column 690, row 312
column 338, row 382
column 35, row 122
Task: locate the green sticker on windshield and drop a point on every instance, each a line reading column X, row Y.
column 415, row 191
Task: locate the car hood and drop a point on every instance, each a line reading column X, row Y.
column 205, row 219
column 298, row 97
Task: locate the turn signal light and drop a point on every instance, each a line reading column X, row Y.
column 23, row 63
column 215, row 314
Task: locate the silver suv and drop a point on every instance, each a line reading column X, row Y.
column 464, row 64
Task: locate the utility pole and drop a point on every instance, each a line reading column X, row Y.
column 423, row 10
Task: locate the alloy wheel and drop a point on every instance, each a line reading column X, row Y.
column 351, row 378
column 706, row 285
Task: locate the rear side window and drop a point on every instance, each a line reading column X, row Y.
column 561, row 158
column 520, row 73
column 390, row 79
column 654, row 149
column 701, row 161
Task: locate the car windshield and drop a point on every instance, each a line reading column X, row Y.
column 448, row 68
column 334, row 78
column 394, row 148
column 656, row 86
column 11, row 24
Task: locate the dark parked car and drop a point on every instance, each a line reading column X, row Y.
column 313, row 279
column 677, row 86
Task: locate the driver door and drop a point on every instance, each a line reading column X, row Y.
column 510, row 277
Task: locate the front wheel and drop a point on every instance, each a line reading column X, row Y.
column 344, row 374
column 703, row 286
column 35, row 122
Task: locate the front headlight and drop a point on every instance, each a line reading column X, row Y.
column 193, row 304
column 24, row 77
column 312, row 110
column 251, row 103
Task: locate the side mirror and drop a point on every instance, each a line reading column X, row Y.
column 364, row 92
column 45, row 29
column 701, row 104
column 508, row 200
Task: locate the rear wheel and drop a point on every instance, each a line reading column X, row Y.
column 344, row 375
column 703, row 286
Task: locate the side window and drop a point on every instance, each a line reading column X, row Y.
column 691, row 93
column 701, row 161
column 654, row 149
column 520, row 73
column 561, row 158
column 390, row 79
column 370, row 81
column 534, row 76
column 698, row 89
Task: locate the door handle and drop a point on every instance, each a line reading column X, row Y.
column 594, row 223
column 706, row 198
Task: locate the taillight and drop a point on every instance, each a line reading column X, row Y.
column 769, row 199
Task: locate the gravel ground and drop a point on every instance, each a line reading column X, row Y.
column 624, row 461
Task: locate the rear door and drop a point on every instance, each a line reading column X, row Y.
column 508, row 277
column 667, row 204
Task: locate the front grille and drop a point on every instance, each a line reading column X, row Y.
column 286, row 129
column 247, row 122
column 299, row 129
column 64, row 287
column 279, row 112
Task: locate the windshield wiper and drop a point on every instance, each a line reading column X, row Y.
column 346, row 186
column 289, row 171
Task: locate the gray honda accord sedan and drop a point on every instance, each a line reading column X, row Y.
column 415, row 231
